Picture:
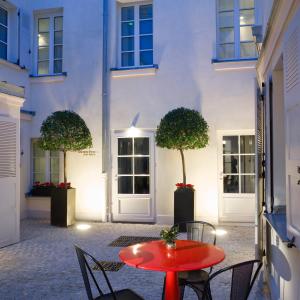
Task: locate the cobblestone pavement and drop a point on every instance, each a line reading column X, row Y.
column 44, row 266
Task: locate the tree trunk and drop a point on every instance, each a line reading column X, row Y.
column 65, row 168
column 183, row 166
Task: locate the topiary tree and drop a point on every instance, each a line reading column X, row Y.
column 182, row 129
column 65, row 131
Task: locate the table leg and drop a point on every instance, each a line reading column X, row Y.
column 172, row 287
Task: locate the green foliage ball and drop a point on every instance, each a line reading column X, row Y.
column 65, row 131
column 182, row 129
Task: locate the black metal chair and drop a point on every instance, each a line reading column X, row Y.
column 242, row 280
column 85, row 262
column 197, row 231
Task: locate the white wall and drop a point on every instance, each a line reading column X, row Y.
column 184, row 44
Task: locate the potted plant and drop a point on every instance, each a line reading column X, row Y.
column 64, row 131
column 182, row 129
column 42, row 189
column 169, row 236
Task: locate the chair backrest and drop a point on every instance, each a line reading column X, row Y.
column 242, row 278
column 85, row 262
column 199, row 231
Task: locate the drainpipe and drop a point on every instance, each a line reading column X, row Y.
column 105, row 111
column 19, row 37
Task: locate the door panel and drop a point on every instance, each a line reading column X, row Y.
column 237, row 176
column 133, row 177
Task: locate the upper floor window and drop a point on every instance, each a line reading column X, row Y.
column 3, row 33
column 235, row 19
column 136, row 35
column 49, row 45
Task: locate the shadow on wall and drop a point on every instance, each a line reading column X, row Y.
column 280, row 264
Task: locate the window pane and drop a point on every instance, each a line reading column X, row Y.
column 128, row 59
column 37, row 151
column 40, row 177
column 124, row 165
column 246, row 33
column 58, row 51
column 58, row 23
column 247, row 144
column 127, row 13
column 43, row 53
column 230, row 145
column 226, row 4
column 247, row 164
column 141, row 184
column 248, row 184
column 226, row 35
column 58, row 66
column 128, row 44
column 58, row 37
column 43, row 25
column 54, row 177
column 246, row 3
column 3, row 51
column 125, row 146
column 230, row 164
column 127, row 28
column 146, row 11
column 125, row 185
column 39, row 165
column 248, row 50
column 226, row 19
column 3, row 34
column 3, row 16
column 43, row 39
column 146, row 42
column 43, row 67
column 146, row 27
column 141, row 165
column 226, row 51
column 231, row 184
column 247, row 17
column 141, row 146
column 54, row 169
column 146, row 58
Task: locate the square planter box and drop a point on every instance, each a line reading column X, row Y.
column 63, row 207
column 183, row 207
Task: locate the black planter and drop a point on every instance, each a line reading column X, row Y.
column 63, row 207
column 42, row 191
column 183, row 207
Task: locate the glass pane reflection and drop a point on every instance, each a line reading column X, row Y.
column 230, row 144
column 125, row 146
column 231, row 184
column 125, row 185
column 141, row 185
column 248, row 184
column 231, row 164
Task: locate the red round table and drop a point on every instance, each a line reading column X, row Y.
column 188, row 255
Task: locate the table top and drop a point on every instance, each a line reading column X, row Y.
column 188, row 255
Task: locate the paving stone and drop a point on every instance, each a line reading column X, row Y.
column 44, row 264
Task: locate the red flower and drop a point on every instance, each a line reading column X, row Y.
column 182, row 186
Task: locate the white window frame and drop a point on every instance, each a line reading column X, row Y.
column 236, row 26
column 51, row 16
column 7, row 32
column 136, row 35
column 47, row 164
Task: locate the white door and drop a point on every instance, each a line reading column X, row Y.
column 133, row 176
column 237, row 176
column 9, row 161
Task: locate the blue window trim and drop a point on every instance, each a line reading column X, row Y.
column 278, row 222
column 49, row 75
column 216, row 60
column 28, row 112
column 135, row 68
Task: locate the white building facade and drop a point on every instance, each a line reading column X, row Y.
column 122, row 65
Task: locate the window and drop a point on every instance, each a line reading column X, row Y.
column 235, row 19
column 49, row 45
column 239, row 164
column 45, row 164
column 133, row 165
column 136, row 35
column 3, row 33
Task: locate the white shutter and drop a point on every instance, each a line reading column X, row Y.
column 291, row 57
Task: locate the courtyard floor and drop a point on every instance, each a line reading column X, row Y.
column 44, row 265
